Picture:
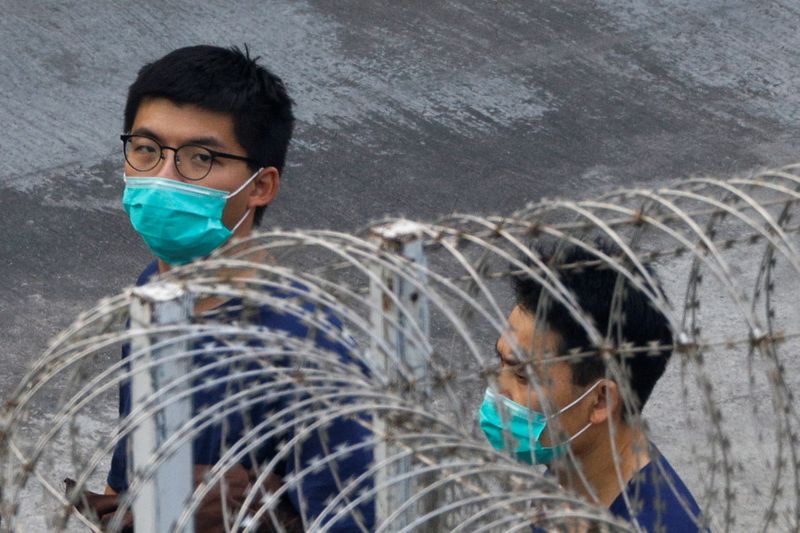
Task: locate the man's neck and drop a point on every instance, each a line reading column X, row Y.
column 212, row 302
column 606, row 475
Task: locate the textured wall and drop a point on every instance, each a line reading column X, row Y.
column 415, row 108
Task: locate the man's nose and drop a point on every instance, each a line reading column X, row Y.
column 503, row 386
column 168, row 166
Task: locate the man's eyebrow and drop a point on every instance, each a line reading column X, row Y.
column 204, row 141
column 510, row 361
column 147, row 132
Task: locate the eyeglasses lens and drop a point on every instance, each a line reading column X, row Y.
column 194, row 162
column 142, row 153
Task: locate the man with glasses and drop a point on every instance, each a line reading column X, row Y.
column 207, row 142
column 207, row 130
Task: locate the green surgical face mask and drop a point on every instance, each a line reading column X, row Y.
column 178, row 221
column 504, row 421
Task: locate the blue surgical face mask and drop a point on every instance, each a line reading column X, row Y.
column 513, row 426
column 178, row 221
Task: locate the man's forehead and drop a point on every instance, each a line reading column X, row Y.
column 161, row 118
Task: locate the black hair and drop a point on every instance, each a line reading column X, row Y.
column 224, row 80
column 593, row 283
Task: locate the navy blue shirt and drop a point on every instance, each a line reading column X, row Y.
column 317, row 487
column 659, row 499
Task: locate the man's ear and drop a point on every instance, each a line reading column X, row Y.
column 605, row 402
column 267, row 184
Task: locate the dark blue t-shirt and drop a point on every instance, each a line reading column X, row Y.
column 659, row 499
column 317, row 487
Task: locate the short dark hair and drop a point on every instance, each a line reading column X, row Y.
column 225, row 80
column 593, row 283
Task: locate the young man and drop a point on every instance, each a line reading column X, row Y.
column 569, row 412
column 207, row 130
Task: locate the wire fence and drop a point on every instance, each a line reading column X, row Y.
column 358, row 361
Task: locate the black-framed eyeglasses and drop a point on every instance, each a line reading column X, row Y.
column 193, row 161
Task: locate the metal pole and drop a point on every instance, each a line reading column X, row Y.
column 162, row 496
column 403, row 238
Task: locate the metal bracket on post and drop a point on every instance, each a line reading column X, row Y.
column 159, row 502
column 393, row 324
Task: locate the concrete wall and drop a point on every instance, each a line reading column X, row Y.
column 416, row 108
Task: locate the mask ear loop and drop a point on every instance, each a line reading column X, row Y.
column 237, row 191
column 245, row 184
column 572, row 404
column 579, row 432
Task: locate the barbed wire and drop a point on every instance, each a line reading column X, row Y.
column 293, row 334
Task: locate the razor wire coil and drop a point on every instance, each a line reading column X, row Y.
column 725, row 251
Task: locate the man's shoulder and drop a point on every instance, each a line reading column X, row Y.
column 149, row 272
column 294, row 309
column 659, row 499
column 297, row 312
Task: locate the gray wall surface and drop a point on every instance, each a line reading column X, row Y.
column 415, row 108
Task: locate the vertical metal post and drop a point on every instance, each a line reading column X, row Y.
column 394, row 327
column 160, row 500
